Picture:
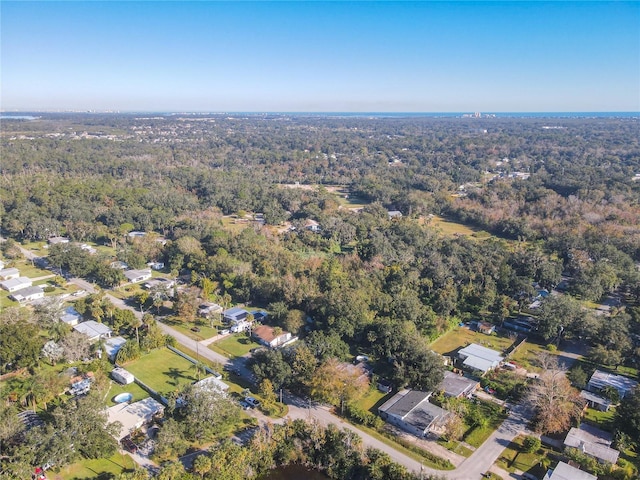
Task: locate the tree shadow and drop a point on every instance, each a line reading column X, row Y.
column 175, row 375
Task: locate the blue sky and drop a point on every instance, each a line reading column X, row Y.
column 320, row 56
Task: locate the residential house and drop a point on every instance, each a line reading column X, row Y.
column 235, row 315
column 157, row 282
column 71, row 317
column 458, row 386
column 394, row 214
column 135, row 276
column 155, row 265
column 9, row 273
column 601, row 380
column 93, row 330
column 207, row 309
column 112, row 346
column 134, row 415
column 564, row 471
column 57, row 240
column 212, row 384
column 15, row 284
column 28, row 294
column 267, row 336
column 136, row 234
column 596, row 401
column 486, row 328
column 119, row 265
column 88, row 248
column 241, row 326
column 593, row 442
column 260, row 315
column 411, row 411
column 479, row 359
column 312, row 226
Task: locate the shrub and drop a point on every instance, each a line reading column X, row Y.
column 531, row 444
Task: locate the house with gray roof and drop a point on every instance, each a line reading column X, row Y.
column 601, row 380
column 564, row 471
column 15, row 284
column 235, row 315
column 411, row 411
column 135, row 276
column 9, row 273
column 479, row 359
column 454, row 385
column 93, row 330
column 28, row 294
column 593, row 442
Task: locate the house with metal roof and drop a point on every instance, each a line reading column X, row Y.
column 93, row 330
column 564, row 471
column 9, row 273
column 235, row 314
column 601, row 380
column 478, row 358
column 411, row 411
column 454, row 385
column 15, row 284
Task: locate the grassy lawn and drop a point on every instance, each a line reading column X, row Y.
column 455, row 447
column 133, row 388
column 101, row 468
column 526, row 354
column 373, row 399
column 236, row 345
column 28, row 270
column 163, row 370
column 513, row 458
column 185, row 327
column 603, row 420
column 462, row 336
column 477, row 435
column 449, row 227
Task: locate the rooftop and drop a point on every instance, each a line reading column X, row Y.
column 403, row 402
column 601, row 379
column 92, row 329
column 565, row 471
column 134, row 415
column 455, row 385
column 592, row 441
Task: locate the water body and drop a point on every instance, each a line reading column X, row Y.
column 294, row 472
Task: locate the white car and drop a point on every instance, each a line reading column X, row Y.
column 252, row 401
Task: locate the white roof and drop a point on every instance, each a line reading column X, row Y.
column 13, row 283
column 5, row 272
column 92, row 329
column 565, row 471
column 592, row 441
column 133, row 274
column 113, row 345
column 480, row 357
column 601, row 379
column 134, row 415
column 212, row 383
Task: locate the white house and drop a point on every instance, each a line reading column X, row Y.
column 212, row 384
column 267, row 336
column 134, row 415
column 113, row 345
column 9, row 273
column 135, row 276
column 71, row 317
column 600, row 380
column 28, row 294
column 15, row 284
column 57, row 240
column 479, row 358
column 593, row 442
column 240, row 326
column 93, row 330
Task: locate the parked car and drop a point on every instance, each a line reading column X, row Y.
column 244, row 405
column 254, row 402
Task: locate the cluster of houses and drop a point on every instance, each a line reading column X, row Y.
column 241, row 320
column 21, row 288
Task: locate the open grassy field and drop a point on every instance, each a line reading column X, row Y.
column 463, row 336
column 373, row 399
column 103, row 468
column 345, row 198
column 163, row 370
column 603, row 420
column 525, row 356
column 235, row 345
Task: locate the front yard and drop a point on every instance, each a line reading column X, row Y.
column 536, row 463
column 235, row 345
column 102, row 468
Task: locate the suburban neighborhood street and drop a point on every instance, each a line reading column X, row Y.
column 473, row 467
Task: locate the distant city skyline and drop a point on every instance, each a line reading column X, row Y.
column 320, row 56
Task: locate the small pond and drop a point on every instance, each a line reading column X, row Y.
column 123, row 397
